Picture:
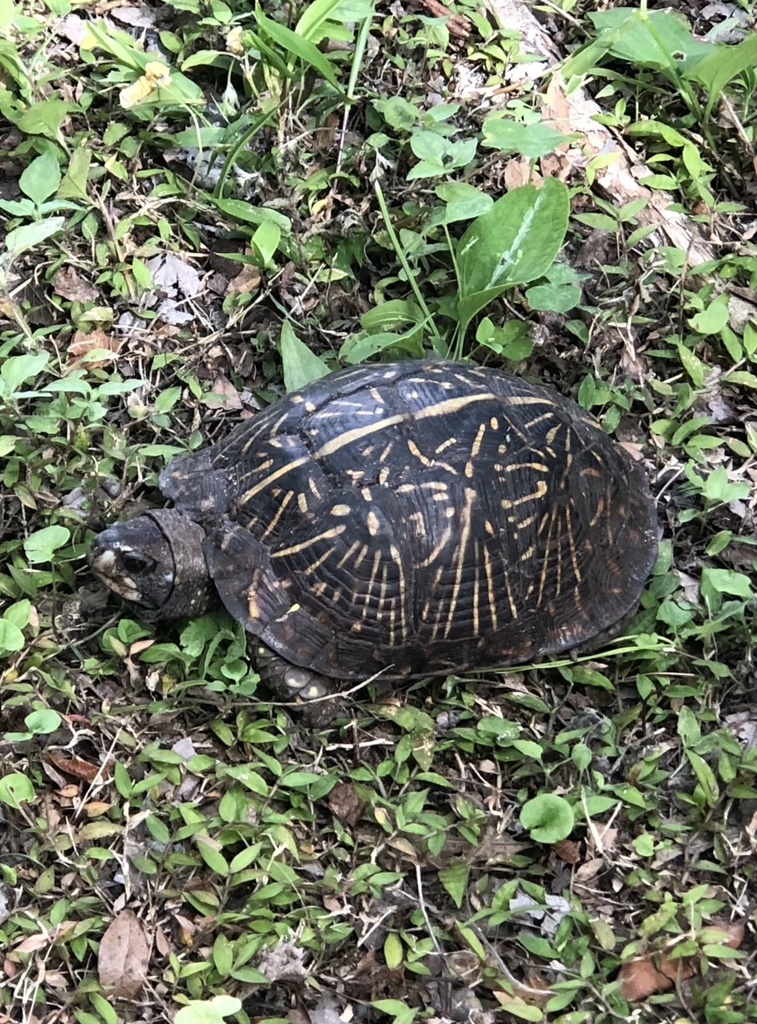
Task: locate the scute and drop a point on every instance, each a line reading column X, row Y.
column 420, row 517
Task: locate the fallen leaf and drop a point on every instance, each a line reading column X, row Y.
column 247, row 280
column 345, row 804
column 71, row 285
column 223, row 395
column 641, row 978
column 124, row 956
column 567, row 850
column 76, row 766
column 657, row 972
column 173, row 276
column 96, row 340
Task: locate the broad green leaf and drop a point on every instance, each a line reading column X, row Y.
column 265, row 242
column 299, row 364
column 398, row 112
column 223, row 955
column 210, row 1011
column 713, row 318
column 16, row 789
column 519, row 1008
column 463, row 202
column 721, row 66
column 41, row 545
column 393, row 951
column 42, row 722
column 530, row 140
column 454, row 878
column 41, row 178
column 29, row 235
column 402, row 1013
column 211, row 855
column 651, row 39
column 360, row 347
column 11, row 637
column 19, row 613
column 705, row 777
column 726, row 581
column 15, row 370
column 514, row 243
column 74, row 183
column 547, row 818
column 45, row 117
column 249, row 778
column 239, row 209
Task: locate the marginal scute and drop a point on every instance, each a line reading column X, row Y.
column 418, row 518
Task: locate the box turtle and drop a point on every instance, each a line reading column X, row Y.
column 405, row 519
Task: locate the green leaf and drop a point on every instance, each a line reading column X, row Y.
column 463, row 202
column 455, row 880
column 721, row 66
column 211, row 855
column 713, row 318
column 299, row 364
column 239, row 209
column 41, row 178
column 45, row 118
column 223, row 955
column 299, row 47
column 11, row 637
column 705, row 777
column 393, row 951
column 41, row 545
column 514, row 243
column 16, row 789
column 726, row 581
column 530, row 140
column 519, row 1008
column 211, row 1011
column 42, row 722
column 265, row 242
column 15, row 370
column 547, row 818
column 692, row 364
column 248, row 778
column 30, row 235
column 402, row 1013
column 361, row 346
column 74, row 183
column 650, row 39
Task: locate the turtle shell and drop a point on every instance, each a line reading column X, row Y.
column 419, row 518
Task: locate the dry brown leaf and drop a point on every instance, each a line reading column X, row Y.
column 641, row 978
column 86, row 343
column 124, row 956
column 76, row 766
column 96, row 807
column 223, row 395
column 138, row 646
column 247, row 280
column 345, row 804
column 457, row 24
column 567, row 850
column 518, row 171
column 71, row 285
column 657, row 972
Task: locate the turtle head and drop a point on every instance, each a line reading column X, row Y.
column 157, row 562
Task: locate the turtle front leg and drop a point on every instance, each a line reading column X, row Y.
column 290, row 682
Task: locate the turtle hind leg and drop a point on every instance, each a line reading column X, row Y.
column 291, row 683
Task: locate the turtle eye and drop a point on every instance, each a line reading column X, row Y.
column 136, row 563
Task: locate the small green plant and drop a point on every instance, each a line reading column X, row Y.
column 547, row 818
